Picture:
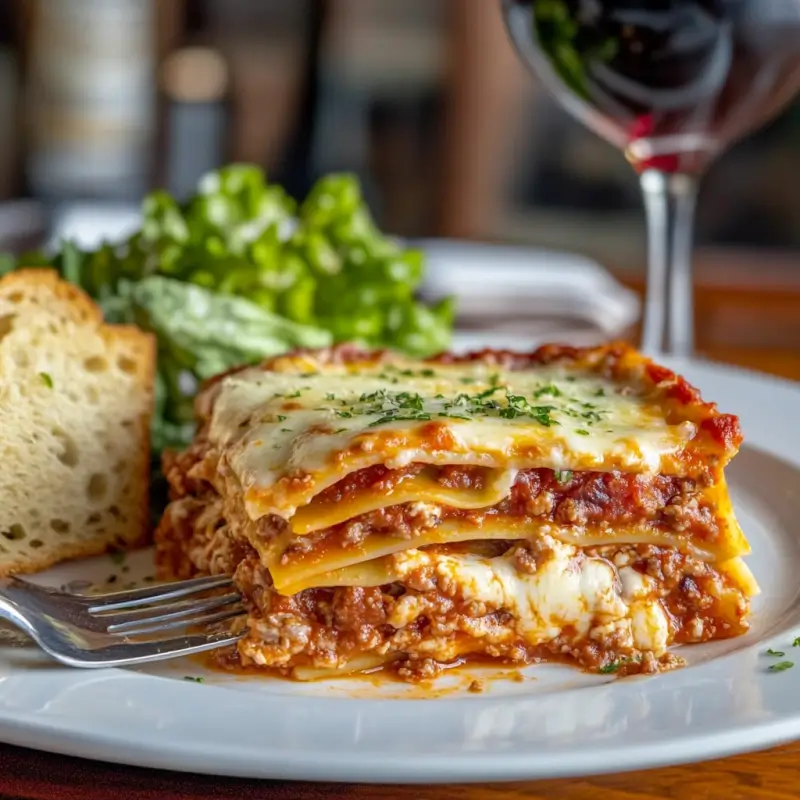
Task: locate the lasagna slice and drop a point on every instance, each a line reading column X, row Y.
column 563, row 505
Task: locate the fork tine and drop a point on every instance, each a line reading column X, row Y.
column 117, row 655
column 153, row 629
column 122, row 621
column 147, row 626
column 156, row 594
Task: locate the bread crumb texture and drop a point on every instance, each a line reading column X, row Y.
column 76, row 397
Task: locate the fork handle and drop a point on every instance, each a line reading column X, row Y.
column 9, row 610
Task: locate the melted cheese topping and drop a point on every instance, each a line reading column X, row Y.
column 286, row 435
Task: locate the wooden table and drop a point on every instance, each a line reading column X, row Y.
column 744, row 325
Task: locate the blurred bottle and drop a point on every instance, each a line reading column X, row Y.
column 194, row 81
column 9, row 103
column 90, row 98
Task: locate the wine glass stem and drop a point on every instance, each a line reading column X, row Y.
column 670, row 201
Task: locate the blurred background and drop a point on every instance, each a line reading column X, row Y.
column 423, row 99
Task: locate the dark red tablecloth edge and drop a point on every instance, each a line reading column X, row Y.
column 35, row 775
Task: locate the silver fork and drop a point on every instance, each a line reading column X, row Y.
column 121, row 628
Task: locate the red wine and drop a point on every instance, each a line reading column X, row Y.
column 670, row 82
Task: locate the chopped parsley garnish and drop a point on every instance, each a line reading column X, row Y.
column 796, row 642
column 340, row 430
column 372, row 396
column 614, row 666
column 46, row 379
column 117, row 556
column 582, row 432
column 519, row 406
column 563, row 476
column 600, row 393
column 280, row 417
column 397, row 417
column 387, row 406
column 192, row 679
column 776, row 653
column 542, row 415
column 781, row 666
column 294, row 394
column 286, row 430
column 550, row 389
column 409, row 400
column 412, row 406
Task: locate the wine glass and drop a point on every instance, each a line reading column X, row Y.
column 671, row 83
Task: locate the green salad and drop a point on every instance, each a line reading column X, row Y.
column 240, row 272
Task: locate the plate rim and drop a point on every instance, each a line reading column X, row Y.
column 376, row 769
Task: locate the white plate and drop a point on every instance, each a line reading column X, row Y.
column 558, row 722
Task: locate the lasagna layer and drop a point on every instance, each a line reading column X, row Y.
column 420, row 610
column 580, row 508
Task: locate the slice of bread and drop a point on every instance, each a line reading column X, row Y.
column 75, row 402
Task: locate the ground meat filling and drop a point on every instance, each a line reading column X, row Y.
column 560, row 496
column 580, row 499
column 327, row 627
column 599, row 500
